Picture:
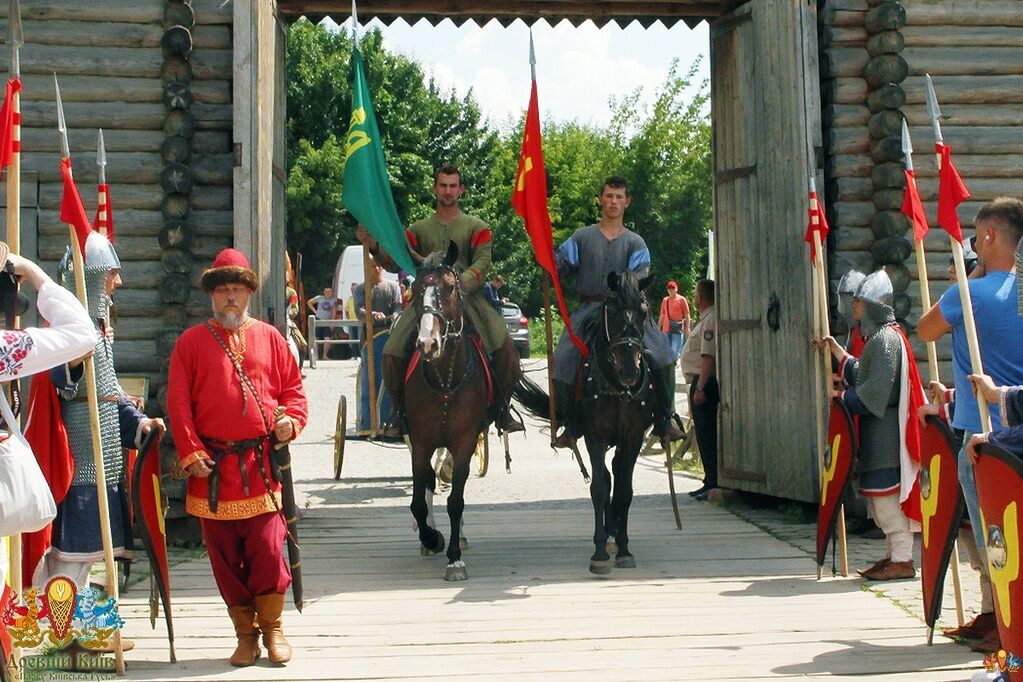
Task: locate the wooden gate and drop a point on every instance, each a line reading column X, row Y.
column 765, row 102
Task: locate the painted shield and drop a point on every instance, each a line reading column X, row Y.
column 147, row 503
column 942, row 508
column 999, row 477
column 839, row 455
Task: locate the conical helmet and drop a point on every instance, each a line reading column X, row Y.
column 100, row 259
column 876, row 288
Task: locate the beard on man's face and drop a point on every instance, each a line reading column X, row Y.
column 231, row 319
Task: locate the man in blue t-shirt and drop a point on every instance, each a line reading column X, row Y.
column 995, row 303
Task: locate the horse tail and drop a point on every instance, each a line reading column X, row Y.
column 533, row 398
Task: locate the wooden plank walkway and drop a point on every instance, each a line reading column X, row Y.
column 720, row 599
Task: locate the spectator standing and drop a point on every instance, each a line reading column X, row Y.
column 699, row 365
column 324, row 307
column 995, row 299
column 492, row 291
column 674, row 320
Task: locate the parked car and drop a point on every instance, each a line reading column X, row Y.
column 518, row 327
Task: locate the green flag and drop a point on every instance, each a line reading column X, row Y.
column 367, row 190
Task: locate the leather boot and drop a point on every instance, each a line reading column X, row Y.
column 664, row 394
column 268, row 616
column 507, row 370
column 247, row 651
column 564, row 406
column 394, row 382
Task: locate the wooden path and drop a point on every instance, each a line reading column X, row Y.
column 720, row 599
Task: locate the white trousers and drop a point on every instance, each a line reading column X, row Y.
column 51, row 566
column 887, row 514
column 977, row 563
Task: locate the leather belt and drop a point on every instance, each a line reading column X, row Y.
column 102, row 399
column 220, row 449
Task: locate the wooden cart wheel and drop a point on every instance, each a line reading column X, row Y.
column 482, row 454
column 340, row 427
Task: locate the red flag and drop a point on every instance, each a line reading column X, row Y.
column 817, row 223
column 71, row 210
column 104, row 223
column 951, row 193
column 8, row 119
column 46, row 433
column 913, row 208
column 529, row 199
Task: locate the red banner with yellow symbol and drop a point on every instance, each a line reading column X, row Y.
column 999, row 476
column 941, row 509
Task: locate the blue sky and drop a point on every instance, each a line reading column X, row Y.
column 579, row 69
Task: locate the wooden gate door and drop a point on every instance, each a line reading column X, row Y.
column 765, row 110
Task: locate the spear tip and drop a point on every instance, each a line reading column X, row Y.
column 15, row 36
column 61, row 123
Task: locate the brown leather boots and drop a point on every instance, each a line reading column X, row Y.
column 249, row 622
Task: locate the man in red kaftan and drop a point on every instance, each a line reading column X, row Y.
column 233, row 391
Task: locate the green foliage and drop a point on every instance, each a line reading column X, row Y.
column 664, row 151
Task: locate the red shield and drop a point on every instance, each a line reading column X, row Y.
column 147, row 504
column 999, row 477
column 941, row 508
column 839, row 455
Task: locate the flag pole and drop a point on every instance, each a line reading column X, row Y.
column 93, row 402
column 15, row 39
column 932, row 352
column 551, row 411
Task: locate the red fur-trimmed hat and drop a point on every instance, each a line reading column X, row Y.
column 230, row 267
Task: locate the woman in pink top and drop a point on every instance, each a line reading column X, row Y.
column 674, row 319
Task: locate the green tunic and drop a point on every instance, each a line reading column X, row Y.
column 472, row 237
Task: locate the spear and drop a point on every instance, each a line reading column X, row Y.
column 104, row 222
column 950, row 223
column 77, row 248
column 913, row 209
column 15, row 38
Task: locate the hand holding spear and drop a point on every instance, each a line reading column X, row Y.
column 73, row 213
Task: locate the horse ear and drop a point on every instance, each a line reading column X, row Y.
column 449, row 260
column 613, row 280
column 645, row 282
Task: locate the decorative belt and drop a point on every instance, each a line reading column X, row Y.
column 102, row 399
column 594, row 298
column 222, row 448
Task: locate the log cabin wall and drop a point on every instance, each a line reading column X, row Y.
column 874, row 57
column 156, row 76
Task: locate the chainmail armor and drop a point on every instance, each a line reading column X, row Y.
column 878, row 383
column 77, row 421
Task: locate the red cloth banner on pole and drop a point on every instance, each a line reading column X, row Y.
column 817, row 223
column 913, row 208
column 951, row 192
column 104, row 223
column 71, row 210
column 8, row 145
column 529, row 199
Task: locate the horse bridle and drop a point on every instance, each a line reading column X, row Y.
column 635, row 342
column 449, row 328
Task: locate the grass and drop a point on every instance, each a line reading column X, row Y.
column 538, row 336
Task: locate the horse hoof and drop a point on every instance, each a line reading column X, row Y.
column 600, row 567
column 463, row 543
column 455, row 572
column 625, row 561
column 428, row 551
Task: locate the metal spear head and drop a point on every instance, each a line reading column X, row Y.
column 932, row 108
column 532, row 55
column 101, row 157
column 61, row 124
column 907, row 145
column 15, row 37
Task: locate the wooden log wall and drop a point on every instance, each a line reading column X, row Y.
column 874, row 56
column 156, row 76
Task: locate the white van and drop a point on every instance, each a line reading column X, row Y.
column 349, row 271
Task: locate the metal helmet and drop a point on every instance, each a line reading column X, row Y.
column 100, row 259
column 846, row 290
column 876, row 288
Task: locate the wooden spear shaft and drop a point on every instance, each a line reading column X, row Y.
column 823, row 327
column 551, row 411
column 932, row 368
column 367, row 267
column 97, row 455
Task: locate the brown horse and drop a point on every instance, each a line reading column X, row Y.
column 446, row 398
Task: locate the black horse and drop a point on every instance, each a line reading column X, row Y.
column 616, row 407
column 446, row 397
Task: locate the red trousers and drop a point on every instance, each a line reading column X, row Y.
column 247, row 557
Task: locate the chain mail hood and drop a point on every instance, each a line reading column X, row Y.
column 100, row 259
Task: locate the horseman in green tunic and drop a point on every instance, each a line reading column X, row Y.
column 473, row 239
